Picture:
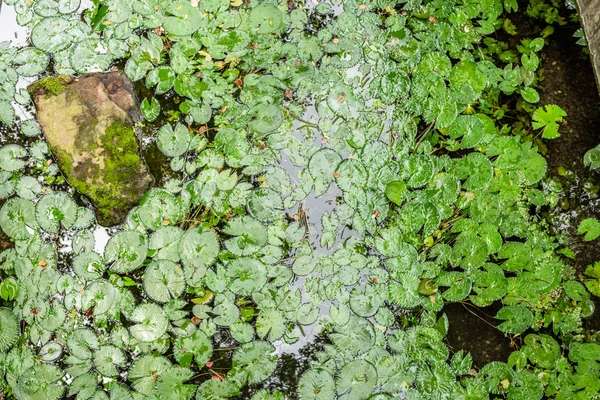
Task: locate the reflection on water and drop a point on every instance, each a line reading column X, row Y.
column 9, row 29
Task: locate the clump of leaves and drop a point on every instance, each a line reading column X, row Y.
column 386, row 111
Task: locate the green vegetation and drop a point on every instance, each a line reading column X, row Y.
column 52, row 85
column 414, row 119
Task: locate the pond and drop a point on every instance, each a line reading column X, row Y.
column 350, row 200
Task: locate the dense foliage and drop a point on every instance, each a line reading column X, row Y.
column 394, row 112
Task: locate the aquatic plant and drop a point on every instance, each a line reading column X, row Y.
column 393, row 110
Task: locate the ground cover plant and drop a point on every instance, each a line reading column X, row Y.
column 392, row 111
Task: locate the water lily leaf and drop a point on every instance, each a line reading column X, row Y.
column 162, row 77
column 51, row 351
column 244, row 332
column 170, row 384
column 266, row 18
column 475, row 169
column 248, row 275
column 265, row 204
column 126, row 251
column 365, row 302
column 322, row 167
column 165, row 241
column 198, row 250
column 144, row 372
column 151, row 321
column 17, row 218
column 7, row 113
column 348, row 172
column 250, row 235
column 357, row 380
column 30, row 128
column 31, row 61
column 254, row 362
column 68, row 6
column 219, row 389
column 84, row 386
column 51, row 34
column 227, row 312
column 163, row 280
column 394, row 191
column 183, row 19
column 150, row 109
column 267, row 118
column 158, row 208
column 418, row 170
column 197, row 345
column 270, row 323
column 339, row 314
column 517, row 318
column 99, row 294
column 54, row 210
column 41, row 382
column 316, row 385
column 307, row 314
column 89, row 56
column 11, row 157
column 470, row 128
column 9, row 329
column 107, row 359
column 173, row 142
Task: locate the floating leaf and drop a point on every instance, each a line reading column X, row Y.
column 150, row 109
column 517, row 318
column 198, row 250
column 126, row 251
column 17, row 218
column 197, row 345
column 41, row 382
column 56, row 209
column 151, row 321
column 267, row 118
column 173, row 142
column 322, row 167
column 11, row 157
column 316, row 385
column 254, row 362
column 357, row 380
column 9, row 329
column 163, row 280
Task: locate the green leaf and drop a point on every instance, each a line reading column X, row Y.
column 198, row 250
column 173, row 142
column 247, row 276
column 591, row 158
column 548, row 119
column 151, row 322
column 322, row 166
column 197, row 345
column 267, row 118
column 164, row 280
column 41, row 382
column 11, row 157
column 590, row 227
column 9, row 329
column 516, row 318
column 316, row 385
column 107, row 359
column 253, row 362
column 144, row 372
column 357, row 380
column 249, row 236
column 126, row 251
column 56, row 210
column 17, row 218
column 395, row 191
column 150, row 109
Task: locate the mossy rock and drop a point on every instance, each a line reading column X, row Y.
column 89, row 125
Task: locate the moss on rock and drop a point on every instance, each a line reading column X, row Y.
column 52, row 85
